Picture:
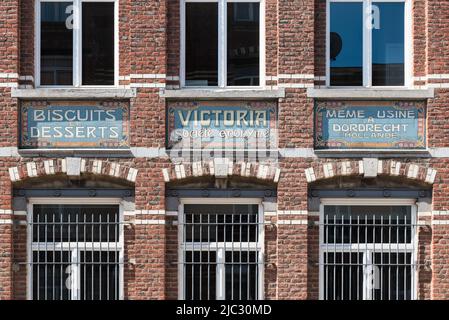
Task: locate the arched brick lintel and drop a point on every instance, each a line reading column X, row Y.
column 370, row 168
column 222, row 169
column 72, row 167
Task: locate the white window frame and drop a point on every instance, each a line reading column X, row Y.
column 220, row 248
column 367, row 45
column 222, row 42
column 75, row 294
column 411, row 247
column 77, row 44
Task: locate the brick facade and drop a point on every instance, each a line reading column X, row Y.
column 149, row 51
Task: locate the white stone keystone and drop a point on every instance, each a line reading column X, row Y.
column 370, row 167
column 73, row 166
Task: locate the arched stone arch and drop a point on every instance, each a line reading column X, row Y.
column 222, row 168
column 370, row 168
column 72, row 167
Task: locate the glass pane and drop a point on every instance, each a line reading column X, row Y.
column 201, row 44
column 388, row 44
column 241, row 274
column 98, row 43
column 51, row 275
column 243, row 44
column 392, row 276
column 222, row 223
column 99, row 275
column 200, row 275
column 367, row 224
column 346, row 44
column 343, row 276
column 63, row 223
column 56, row 43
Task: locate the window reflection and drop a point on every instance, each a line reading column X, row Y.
column 243, row 44
column 346, row 45
column 56, row 44
column 388, row 45
column 201, row 44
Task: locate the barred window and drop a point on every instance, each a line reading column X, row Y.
column 75, row 252
column 367, row 252
column 221, row 252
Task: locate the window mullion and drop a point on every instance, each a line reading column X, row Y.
column 77, row 42
column 221, row 274
column 222, row 32
column 367, row 43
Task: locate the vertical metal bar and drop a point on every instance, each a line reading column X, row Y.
column 342, row 257
column 107, row 257
column 405, row 258
column 350, row 256
column 365, row 287
column 201, row 254
column 389, row 256
column 382, row 257
column 397, row 257
column 92, row 258
column 61, row 237
column 78, row 265
column 100, row 253
column 335, row 253
column 358, row 257
column 54, row 255
column 208, row 257
column 84, row 253
column 46, row 256
column 193, row 255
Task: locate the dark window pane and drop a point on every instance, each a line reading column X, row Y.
column 343, row 276
column 241, row 274
column 346, row 44
column 98, row 43
column 200, row 275
column 63, row 223
column 201, row 44
column 243, row 44
column 392, row 278
column 99, row 275
column 51, row 275
column 56, row 44
column 367, row 224
column 227, row 223
column 388, row 45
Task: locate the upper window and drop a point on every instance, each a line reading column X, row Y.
column 366, row 43
column 221, row 44
column 76, row 41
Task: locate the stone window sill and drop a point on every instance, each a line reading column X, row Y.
column 235, row 94
column 73, row 93
column 370, row 93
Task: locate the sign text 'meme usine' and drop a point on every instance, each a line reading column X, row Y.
column 370, row 125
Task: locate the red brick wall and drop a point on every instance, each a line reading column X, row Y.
column 149, row 44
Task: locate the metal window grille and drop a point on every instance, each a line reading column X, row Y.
column 221, row 252
column 75, row 252
column 368, row 253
